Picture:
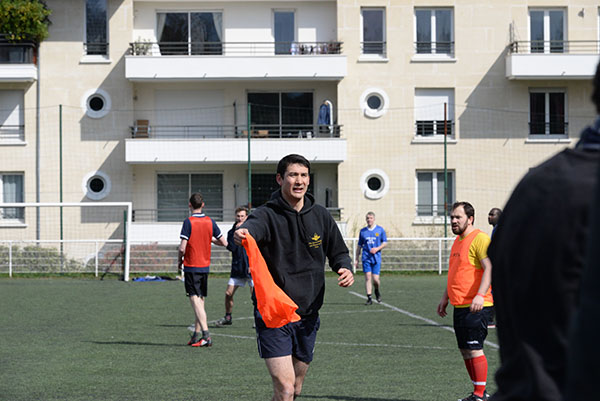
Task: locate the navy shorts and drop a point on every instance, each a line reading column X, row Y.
column 196, row 284
column 296, row 339
column 371, row 267
column 471, row 327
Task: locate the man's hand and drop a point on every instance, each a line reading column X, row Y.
column 373, row 251
column 477, row 303
column 441, row 309
column 239, row 235
column 346, row 278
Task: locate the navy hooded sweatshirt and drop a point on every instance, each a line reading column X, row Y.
column 295, row 246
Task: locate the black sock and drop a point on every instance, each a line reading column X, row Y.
column 377, row 294
column 228, row 316
column 205, row 334
column 368, row 296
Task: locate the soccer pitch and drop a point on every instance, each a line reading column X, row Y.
column 75, row 339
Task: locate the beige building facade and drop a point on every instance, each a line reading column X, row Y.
column 147, row 101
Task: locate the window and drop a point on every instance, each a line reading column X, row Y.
column 281, row 114
column 96, row 28
column 11, row 191
column 429, row 112
column 547, row 112
column 374, row 102
column 12, row 128
column 373, row 31
column 284, row 32
column 374, row 184
column 547, row 31
column 263, row 185
column 174, row 191
column 434, row 31
column 96, row 185
column 197, row 33
column 430, row 193
column 96, row 103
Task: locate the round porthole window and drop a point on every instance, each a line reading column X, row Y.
column 96, row 103
column 96, row 185
column 374, row 184
column 374, row 102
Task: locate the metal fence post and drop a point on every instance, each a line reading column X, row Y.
column 96, row 257
column 440, row 256
column 9, row 258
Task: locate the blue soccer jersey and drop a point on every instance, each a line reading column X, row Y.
column 368, row 239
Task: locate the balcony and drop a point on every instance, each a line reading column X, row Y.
column 229, row 144
column 17, row 62
column 163, row 61
column 552, row 59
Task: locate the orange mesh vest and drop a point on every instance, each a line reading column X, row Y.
column 464, row 278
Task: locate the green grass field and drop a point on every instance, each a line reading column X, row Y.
column 77, row 339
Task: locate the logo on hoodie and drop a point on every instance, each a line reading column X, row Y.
column 315, row 241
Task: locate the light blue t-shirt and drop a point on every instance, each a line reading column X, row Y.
column 371, row 238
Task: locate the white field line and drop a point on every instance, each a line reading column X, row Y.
column 424, row 319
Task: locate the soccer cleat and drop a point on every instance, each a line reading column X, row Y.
column 379, row 298
column 474, row 397
column 203, row 342
column 193, row 340
column 224, row 322
column 369, row 301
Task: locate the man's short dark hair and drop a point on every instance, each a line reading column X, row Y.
column 496, row 211
column 467, row 207
column 241, row 209
column 292, row 159
column 596, row 90
column 196, row 200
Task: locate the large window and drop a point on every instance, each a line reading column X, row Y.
column 284, row 31
column 547, row 31
column 96, row 27
column 11, row 116
column 434, row 31
column 430, row 193
column 11, row 191
column 185, row 33
column 429, row 112
column 281, row 114
column 373, row 31
column 547, row 112
column 174, row 191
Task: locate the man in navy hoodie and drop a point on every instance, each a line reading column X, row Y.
column 295, row 236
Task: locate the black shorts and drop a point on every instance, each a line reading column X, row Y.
column 196, row 284
column 296, row 339
column 471, row 327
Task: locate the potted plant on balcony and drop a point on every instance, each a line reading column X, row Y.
column 24, row 21
column 141, row 47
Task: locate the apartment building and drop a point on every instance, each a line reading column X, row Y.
column 148, row 101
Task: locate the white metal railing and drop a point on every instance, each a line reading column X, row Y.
column 100, row 256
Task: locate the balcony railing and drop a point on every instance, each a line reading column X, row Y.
column 433, row 127
column 433, row 209
column 17, row 53
column 233, row 48
column 291, row 131
column 373, row 48
column 177, row 215
column 12, row 133
column 548, row 128
column 555, row 46
column 446, row 48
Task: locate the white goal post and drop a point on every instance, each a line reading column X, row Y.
column 66, row 225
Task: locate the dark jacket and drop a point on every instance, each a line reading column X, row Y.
column 239, row 259
column 295, row 246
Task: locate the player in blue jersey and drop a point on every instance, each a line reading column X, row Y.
column 371, row 241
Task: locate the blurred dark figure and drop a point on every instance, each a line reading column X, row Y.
column 538, row 251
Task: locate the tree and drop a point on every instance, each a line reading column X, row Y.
column 24, row 20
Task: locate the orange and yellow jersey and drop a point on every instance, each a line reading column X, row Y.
column 198, row 230
column 465, row 270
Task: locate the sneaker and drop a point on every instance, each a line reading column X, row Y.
column 369, row 301
column 379, row 299
column 474, row 397
column 203, row 342
column 224, row 322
